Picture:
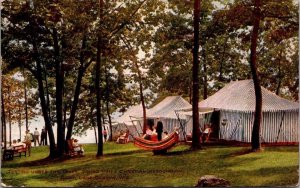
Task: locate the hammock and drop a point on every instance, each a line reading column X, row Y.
column 164, row 144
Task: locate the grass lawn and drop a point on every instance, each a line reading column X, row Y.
column 126, row 165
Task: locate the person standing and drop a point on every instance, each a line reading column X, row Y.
column 43, row 137
column 27, row 141
column 159, row 130
column 104, row 132
column 36, row 135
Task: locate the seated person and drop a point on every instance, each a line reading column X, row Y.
column 165, row 135
column 150, row 134
column 206, row 132
column 20, row 143
column 77, row 147
column 15, row 143
column 123, row 136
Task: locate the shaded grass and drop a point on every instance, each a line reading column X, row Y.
column 126, row 165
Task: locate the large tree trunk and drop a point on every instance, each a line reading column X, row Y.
column 107, row 103
column 20, row 122
column 59, row 97
column 9, row 115
column 48, row 102
column 205, row 91
column 140, row 85
column 141, row 95
column 44, row 105
column 256, row 144
column 98, row 97
column 25, row 97
column 80, row 75
column 196, row 131
column 97, row 83
column 39, row 77
column 143, row 104
column 74, row 104
column 279, row 75
column 95, row 131
column 3, row 119
column 220, row 78
column 44, row 109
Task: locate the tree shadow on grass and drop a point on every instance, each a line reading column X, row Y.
column 88, row 157
column 239, row 153
column 181, row 152
column 125, row 153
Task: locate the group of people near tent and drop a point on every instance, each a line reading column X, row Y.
column 155, row 132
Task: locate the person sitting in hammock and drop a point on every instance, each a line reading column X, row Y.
column 166, row 135
column 150, row 133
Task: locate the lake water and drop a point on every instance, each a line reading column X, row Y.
column 38, row 122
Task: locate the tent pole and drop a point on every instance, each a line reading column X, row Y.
column 138, row 123
column 280, row 127
column 181, row 125
column 128, row 129
column 134, row 126
column 234, row 130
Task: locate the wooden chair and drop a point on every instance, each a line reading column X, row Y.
column 123, row 139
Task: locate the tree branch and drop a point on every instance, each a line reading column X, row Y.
column 123, row 24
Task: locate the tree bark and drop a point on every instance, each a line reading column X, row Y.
column 279, row 75
column 143, row 103
column 95, row 135
column 9, row 115
column 25, row 97
column 20, row 122
column 196, row 131
column 3, row 119
column 44, row 106
column 107, row 103
column 140, row 85
column 255, row 142
column 80, row 75
column 93, row 124
column 97, row 83
column 205, row 92
column 98, row 97
column 59, row 96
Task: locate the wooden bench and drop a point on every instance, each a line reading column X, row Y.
column 71, row 150
column 15, row 151
column 18, row 150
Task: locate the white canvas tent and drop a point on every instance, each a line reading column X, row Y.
column 130, row 120
column 236, row 105
column 166, row 112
